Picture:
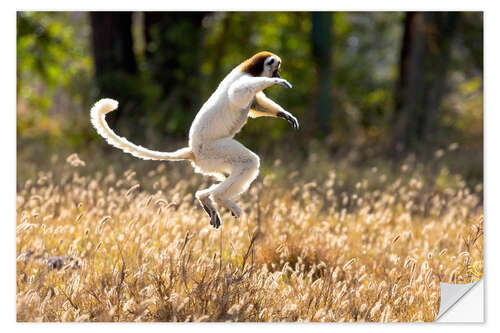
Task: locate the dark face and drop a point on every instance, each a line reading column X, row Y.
column 271, row 67
column 264, row 64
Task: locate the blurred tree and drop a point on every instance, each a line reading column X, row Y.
column 114, row 59
column 365, row 58
column 174, row 56
column 112, row 42
column 53, row 75
column 424, row 63
column 321, row 36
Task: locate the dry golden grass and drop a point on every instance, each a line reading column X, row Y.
column 112, row 246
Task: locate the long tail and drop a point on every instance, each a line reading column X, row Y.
column 97, row 117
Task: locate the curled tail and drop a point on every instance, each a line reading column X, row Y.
column 97, row 117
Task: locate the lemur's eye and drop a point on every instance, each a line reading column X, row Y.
column 271, row 62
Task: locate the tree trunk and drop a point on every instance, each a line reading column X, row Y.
column 112, row 42
column 115, row 63
column 321, row 36
column 423, row 68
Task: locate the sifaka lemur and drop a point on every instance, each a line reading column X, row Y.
column 212, row 148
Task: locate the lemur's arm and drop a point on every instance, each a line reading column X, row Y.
column 265, row 107
column 243, row 90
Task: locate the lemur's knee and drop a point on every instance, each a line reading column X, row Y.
column 252, row 167
column 202, row 194
column 253, row 161
column 249, row 167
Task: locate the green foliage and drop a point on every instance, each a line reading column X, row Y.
column 50, row 50
column 366, row 60
column 53, row 66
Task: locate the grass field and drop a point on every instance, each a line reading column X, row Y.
column 319, row 242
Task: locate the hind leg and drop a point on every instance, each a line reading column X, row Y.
column 245, row 169
column 203, row 197
column 241, row 163
column 230, row 205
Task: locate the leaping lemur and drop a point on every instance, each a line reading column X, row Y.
column 212, row 149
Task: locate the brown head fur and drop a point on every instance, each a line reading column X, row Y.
column 255, row 65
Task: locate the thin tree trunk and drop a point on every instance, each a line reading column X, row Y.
column 321, row 36
column 112, row 42
column 443, row 27
column 114, row 59
column 408, row 90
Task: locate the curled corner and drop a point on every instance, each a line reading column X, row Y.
column 451, row 294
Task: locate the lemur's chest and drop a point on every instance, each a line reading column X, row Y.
column 238, row 119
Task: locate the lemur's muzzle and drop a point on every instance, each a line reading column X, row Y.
column 276, row 73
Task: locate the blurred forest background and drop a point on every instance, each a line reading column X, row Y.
column 368, row 86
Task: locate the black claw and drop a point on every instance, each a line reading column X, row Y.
column 284, row 83
column 212, row 213
column 215, row 220
column 206, row 208
column 290, row 119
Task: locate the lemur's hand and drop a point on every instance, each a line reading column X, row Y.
column 283, row 82
column 290, row 118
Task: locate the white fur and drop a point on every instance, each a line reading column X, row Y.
column 97, row 117
column 212, row 149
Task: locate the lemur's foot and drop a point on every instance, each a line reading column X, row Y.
column 236, row 212
column 230, row 205
column 212, row 213
column 215, row 220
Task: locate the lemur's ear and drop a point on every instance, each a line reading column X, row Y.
column 255, row 65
